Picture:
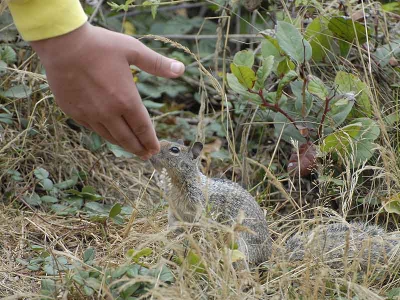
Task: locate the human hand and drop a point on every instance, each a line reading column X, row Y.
column 88, row 72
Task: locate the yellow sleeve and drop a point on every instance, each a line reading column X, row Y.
column 42, row 19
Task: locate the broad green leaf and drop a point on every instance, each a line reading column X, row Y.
column 47, row 184
column 88, row 255
column 88, row 290
column 268, row 49
column 37, row 248
column 94, row 283
column 384, row 53
column 284, row 129
column 244, row 58
column 97, row 208
column 319, row 36
column 3, row 68
column 393, row 205
column 285, row 66
column 63, row 210
column 89, row 189
column 67, row 183
column 6, row 118
column 118, row 151
column 297, row 90
column 346, row 82
column 347, row 29
column 33, row 199
column 18, row 92
column 339, row 108
column 316, row 87
column 263, row 72
column 49, row 199
column 245, row 75
column 48, row 287
column 289, row 77
column 7, row 54
column 292, row 42
column 153, row 105
column 115, row 210
column 235, row 85
column 135, row 255
column 41, row 173
column 164, row 274
column 395, row 8
column 340, row 140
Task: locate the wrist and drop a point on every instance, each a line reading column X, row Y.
column 62, row 47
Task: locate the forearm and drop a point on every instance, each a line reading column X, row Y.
column 43, row 19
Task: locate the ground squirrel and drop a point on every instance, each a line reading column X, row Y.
column 191, row 193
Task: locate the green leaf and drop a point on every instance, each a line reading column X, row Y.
column 153, row 105
column 164, row 274
column 97, row 208
column 319, row 36
column 234, row 84
column 7, row 54
column 48, row 287
column 292, row 42
column 88, row 290
column 297, row 90
column 347, row 29
column 285, row 66
column 6, row 118
column 93, row 283
column 37, row 248
column 33, row 199
column 340, row 140
column 237, row 255
column 340, row 108
column 268, row 49
column 289, row 77
column 88, row 255
column 18, row 92
column 41, row 173
column 49, row 199
column 316, row 87
column 63, row 210
column 135, row 255
column 345, row 83
column 263, row 72
column 244, row 58
column 118, row 151
column 47, row 184
column 88, row 189
column 115, row 210
column 3, row 68
column 67, row 183
column 245, row 75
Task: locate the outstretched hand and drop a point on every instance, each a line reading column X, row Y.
column 88, row 72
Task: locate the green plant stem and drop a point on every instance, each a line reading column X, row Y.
column 274, row 107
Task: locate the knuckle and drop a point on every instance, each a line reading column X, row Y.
column 142, row 129
column 158, row 64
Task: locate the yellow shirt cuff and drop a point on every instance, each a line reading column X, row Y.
column 43, row 19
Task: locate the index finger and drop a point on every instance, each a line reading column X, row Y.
column 138, row 119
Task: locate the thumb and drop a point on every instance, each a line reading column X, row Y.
column 152, row 62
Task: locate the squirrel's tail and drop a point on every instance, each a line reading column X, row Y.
column 340, row 244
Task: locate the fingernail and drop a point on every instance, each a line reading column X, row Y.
column 153, row 152
column 145, row 157
column 177, row 67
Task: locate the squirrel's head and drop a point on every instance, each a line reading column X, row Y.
column 176, row 158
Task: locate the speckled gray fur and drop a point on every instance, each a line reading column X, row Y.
column 337, row 242
column 191, row 193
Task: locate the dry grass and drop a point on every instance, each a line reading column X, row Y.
column 291, row 206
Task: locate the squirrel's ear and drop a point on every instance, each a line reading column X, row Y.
column 180, row 142
column 196, row 149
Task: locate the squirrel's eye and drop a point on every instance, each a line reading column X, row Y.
column 174, row 150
